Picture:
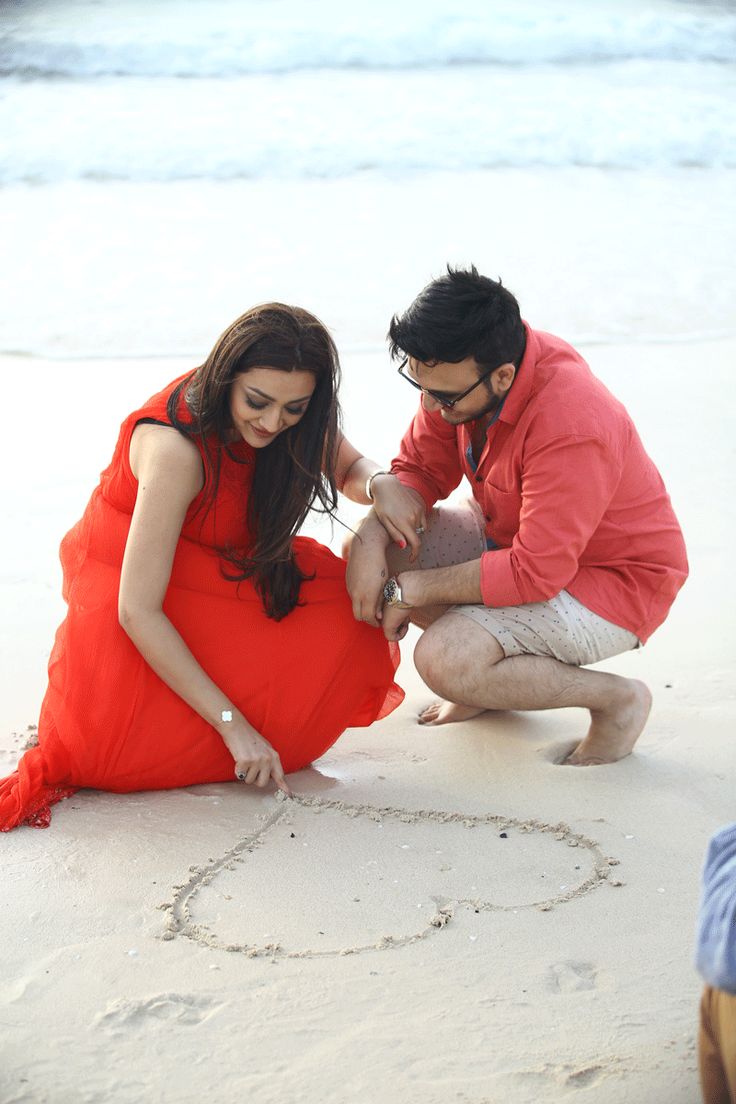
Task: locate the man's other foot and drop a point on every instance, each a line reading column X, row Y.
column 614, row 731
column 447, row 712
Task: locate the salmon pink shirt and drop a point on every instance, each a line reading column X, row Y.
column 570, row 498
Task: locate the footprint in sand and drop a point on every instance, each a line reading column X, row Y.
column 122, row 1015
column 325, row 878
column 571, row 977
column 566, row 1076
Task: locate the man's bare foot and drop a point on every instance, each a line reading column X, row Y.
column 447, row 712
column 614, row 731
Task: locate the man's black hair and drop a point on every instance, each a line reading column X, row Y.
column 460, row 315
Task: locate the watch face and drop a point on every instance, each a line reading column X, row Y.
column 391, row 592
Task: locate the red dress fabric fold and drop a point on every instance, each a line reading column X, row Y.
column 109, row 722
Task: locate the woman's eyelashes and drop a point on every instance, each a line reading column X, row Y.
column 294, row 413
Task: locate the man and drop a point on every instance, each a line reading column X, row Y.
column 569, row 551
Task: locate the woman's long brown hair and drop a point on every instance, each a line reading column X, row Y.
column 297, row 469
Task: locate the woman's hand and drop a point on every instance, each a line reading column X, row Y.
column 256, row 762
column 401, row 511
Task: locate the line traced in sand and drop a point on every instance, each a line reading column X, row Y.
column 180, row 923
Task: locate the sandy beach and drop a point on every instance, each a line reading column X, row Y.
column 439, row 915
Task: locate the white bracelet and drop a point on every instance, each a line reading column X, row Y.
column 369, row 482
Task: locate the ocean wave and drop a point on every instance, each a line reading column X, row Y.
column 322, row 37
column 41, row 175
column 316, row 125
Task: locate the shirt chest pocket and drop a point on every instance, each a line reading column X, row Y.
column 502, row 510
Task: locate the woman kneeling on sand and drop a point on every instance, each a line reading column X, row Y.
column 204, row 639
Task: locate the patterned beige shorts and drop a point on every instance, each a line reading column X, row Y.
column 562, row 628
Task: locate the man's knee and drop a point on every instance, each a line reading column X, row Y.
column 429, row 655
column 445, row 650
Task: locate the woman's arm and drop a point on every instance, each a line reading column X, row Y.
column 169, row 473
column 352, row 471
column 401, row 510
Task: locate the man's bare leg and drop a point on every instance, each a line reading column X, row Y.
column 440, row 712
column 466, row 665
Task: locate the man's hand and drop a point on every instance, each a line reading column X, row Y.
column 367, row 570
column 401, row 511
column 396, row 620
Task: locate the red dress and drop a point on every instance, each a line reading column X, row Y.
column 110, row 723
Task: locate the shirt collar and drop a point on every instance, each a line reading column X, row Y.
column 523, row 385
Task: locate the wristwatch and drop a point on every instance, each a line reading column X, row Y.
column 369, row 482
column 392, row 595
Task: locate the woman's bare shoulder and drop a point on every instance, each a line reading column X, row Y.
column 164, row 452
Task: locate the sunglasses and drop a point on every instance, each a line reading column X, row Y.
column 443, row 400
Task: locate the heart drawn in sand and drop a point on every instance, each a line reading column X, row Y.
column 323, row 878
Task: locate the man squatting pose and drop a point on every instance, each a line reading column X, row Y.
column 568, row 552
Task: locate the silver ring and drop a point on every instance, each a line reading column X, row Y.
column 419, row 530
column 240, row 776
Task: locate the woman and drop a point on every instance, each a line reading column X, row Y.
column 203, row 637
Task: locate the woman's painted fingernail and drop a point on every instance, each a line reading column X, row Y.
column 402, row 544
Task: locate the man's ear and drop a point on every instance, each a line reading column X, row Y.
column 503, row 377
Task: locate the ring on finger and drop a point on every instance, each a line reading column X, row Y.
column 240, row 775
column 419, row 530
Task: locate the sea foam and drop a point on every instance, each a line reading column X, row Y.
column 228, row 40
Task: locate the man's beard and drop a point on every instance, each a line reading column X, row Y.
column 485, row 412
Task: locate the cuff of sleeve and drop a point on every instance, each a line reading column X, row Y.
column 497, row 585
column 414, row 483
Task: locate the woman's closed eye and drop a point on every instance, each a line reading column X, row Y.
column 294, row 412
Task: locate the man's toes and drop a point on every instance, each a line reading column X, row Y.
column 576, row 760
column 448, row 712
column 430, row 714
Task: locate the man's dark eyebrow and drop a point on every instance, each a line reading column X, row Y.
column 444, row 394
column 291, row 402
